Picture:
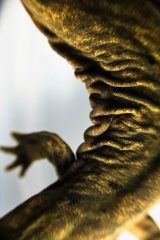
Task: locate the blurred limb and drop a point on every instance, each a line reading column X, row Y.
column 146, row 229
column 40, row 145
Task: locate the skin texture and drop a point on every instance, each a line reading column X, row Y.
column 146, row 229
column 114, row 49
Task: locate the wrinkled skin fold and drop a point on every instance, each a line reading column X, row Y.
column 115, row 177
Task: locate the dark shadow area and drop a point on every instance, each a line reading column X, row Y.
column 1, row 4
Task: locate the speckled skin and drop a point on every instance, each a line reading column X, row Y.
column 114, row 48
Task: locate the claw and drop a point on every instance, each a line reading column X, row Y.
column 11, row 150
column 19, row 137
column 19, row 163
column 12, row 165
column 23, row 172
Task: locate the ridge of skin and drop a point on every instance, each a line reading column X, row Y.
column 117, row 173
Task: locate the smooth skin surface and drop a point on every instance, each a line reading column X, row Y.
column 115, row 178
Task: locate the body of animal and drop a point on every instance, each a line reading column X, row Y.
column 114, row 49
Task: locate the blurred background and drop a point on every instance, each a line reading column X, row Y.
column 38, row 91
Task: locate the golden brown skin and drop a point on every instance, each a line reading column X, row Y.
column 40, row 145
column 114, row 47
column 146, row 229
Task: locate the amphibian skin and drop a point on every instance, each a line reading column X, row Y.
column 114, row 48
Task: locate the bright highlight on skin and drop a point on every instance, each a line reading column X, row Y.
column 127, row 236
column 154, row 213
